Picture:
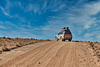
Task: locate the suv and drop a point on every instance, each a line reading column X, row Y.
column 64, row 35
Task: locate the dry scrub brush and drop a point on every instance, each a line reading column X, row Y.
column 18, row 45
column 81, row 41
column 0, row 44
column 4, row 48
column 91, row 44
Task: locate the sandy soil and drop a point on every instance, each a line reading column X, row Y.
column 51, row 54
column 7, row 44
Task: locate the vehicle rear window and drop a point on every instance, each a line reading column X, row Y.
column 60, row 32
column 67, row 32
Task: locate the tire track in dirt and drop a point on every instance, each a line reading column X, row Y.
column 66, row 53
column 69, row 56
column 35, row 57
column 6, row 56
column 55, row 54
column 72, row 55
column 45, row 60
column 58, row 59
column 25, row 55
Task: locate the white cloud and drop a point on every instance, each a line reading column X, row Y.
column 80, row 1
column 88, row 34
column 56, row 5
column 1, row 22
column 2, row 27
column 82, row 16
column 29, row 25
column 89, row 23
column 44, row 6
column 92, row 36
column 24, row 33
column 53, row 5
column 8, row 5
column 59, row 8
column 78, row 19
column 19, row 3
column 98, row 36
column 33, row 7
column 92, row 9
column 7, row 14
column 12, row 24
column 26, row 26
column 4, row 11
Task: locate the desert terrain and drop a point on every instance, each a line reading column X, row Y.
column 7, row 44
column 53, row 54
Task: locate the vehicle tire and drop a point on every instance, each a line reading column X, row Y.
column 70, row 40
column 56, row 39
column 62, row 39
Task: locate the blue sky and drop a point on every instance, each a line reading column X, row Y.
column 43, row 19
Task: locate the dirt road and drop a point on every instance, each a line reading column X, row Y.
column 50, row 54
